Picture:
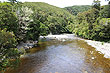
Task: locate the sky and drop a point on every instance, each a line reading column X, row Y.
column 65, row 3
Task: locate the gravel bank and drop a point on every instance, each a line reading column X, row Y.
column 103, row 48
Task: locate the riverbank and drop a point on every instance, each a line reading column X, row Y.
column 27, row 45
column 103, row 48
column 70, row 56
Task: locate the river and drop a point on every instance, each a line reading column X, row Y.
column 67, row 56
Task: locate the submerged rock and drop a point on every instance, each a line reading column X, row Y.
column 27, row 45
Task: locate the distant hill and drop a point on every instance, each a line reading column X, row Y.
column 74, row 10
column 41, row 6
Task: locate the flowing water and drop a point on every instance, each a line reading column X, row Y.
column 70, row 56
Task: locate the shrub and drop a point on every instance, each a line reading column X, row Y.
column 102, row 29
column 8, row 18
column 9, row 55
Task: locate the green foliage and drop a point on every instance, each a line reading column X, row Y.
column 90, row 25
column 74, row 10
column 9, row 54
column 103, row 29
column 96, row 4
column 105, row 12
column 90, row 16
column 23, row 15
column 53, row 19
column 29, row 20
column 12, row 1
column 8, row 19
column 85, row 21
column 33, row 32
column 36, row 27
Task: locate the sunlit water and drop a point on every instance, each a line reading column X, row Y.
column 70, row 56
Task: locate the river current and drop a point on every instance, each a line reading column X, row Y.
column 67, row 56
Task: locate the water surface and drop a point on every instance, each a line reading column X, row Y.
column 70, row 56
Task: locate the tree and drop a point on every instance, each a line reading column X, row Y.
column 84, row 23
column 23, row 15
column 56, row 19
column 105, row 12
column 9, row 54
column 109, row 9
column 13, row 1
column 96, row 4
column 74, row 10
column 8, row 18
column 36, row 27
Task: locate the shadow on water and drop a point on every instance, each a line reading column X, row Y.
column 73, row 56
column 31, row 63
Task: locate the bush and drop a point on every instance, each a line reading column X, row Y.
column 105, row 11
column 8, row 18
column 23, row 15
column 102, row 29
column 9, row 55
column 84, row 23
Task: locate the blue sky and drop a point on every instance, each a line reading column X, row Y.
column 65, row 3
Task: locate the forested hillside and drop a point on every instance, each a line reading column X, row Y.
column 20, row 22
column 54, row 18
column 76, row 9
column 94, row 23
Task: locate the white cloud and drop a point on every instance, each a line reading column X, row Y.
column 64, row 3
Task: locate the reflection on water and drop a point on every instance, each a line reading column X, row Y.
column 73, row 56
